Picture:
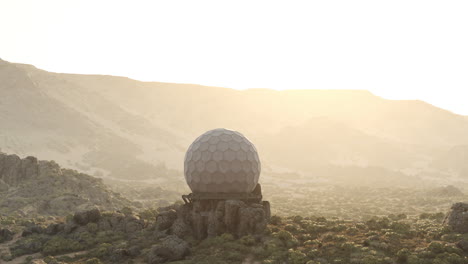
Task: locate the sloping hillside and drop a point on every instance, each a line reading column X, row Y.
column 29, row 187
column 123, row 128
column 49, row 117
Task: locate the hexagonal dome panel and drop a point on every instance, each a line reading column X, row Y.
column 222, row 160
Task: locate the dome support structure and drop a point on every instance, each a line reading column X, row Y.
column 254, row 196
column 212, row 214
column 222, row 168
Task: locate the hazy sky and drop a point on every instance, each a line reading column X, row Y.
column 396, row 49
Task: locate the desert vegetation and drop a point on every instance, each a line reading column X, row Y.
column 329, row 225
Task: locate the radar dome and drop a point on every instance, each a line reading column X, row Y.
column 223, row 161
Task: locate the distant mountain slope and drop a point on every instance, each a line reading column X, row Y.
column 453, row 160
column 199, row 108
column 129, row 129
column 44, row 115
column 29, row 186
column 325, row 141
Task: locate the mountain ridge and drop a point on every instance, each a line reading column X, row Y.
column 111, row 125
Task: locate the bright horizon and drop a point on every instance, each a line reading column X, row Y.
column 397, row 50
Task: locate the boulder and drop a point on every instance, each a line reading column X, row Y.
column 117, row 255
column 85, row 217
column 165, row 219
column 180, row 228
column 463, row 245
column 133, row 224
column 70, row 227
column 171, row 248
column 457, row 218
column 5, row 235
column 54, row 229
column 104, row 224
column 32, row 229
column 116, row 220
column 14, row 170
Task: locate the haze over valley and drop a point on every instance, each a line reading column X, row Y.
column 118, row 128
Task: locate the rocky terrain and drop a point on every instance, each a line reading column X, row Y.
column 151, row 236
column 30, row 187
column 158, row 236
column 53, row 215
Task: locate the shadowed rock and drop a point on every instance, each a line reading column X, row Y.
column 85, row 217
column 166, row 219
column 14, row 170
column 209, row 218
column 457, row 218
column 5, row 235
column 171, row 248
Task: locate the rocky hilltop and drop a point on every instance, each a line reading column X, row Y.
column 29, row 186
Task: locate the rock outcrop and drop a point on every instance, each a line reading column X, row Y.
column 5, row 235
column 37, row 237
column 209, row 218
column 14, row 170
column 91, row 216
column 463, row 245
column 111, row 221
column 29, row 186
column 171, row 248
column 457, row 218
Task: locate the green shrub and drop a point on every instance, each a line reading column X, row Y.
column 92, row 227
column 28, row 245
column 436, row 247
column 100, row 251
column 149, row 214
column 60, row 245
column 378, row 223
column 296, row 257
column 93, row 261
column 450, row 258
column 402, row 255
column 127, row 211
column 453, row 237
column 284, row 235
column 297, row 219
column 276, row 220
column 313, row 243
column 291, row 228
column 400, row 228
column 247, row 240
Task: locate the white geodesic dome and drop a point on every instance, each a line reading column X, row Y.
column 223, row 161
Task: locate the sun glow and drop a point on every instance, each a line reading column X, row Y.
column 395, row 49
